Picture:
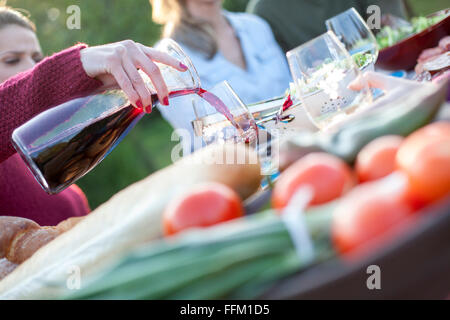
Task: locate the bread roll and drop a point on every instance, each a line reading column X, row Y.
column 130, row 218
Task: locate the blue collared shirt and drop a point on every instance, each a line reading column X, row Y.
column 267, row 74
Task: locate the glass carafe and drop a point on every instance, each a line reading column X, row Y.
column 65, row 142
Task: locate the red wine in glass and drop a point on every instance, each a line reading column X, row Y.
column 75, row 150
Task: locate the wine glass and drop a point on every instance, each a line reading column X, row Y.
column 322, row 70
column 214, row 127
column 64, row 143
column 221, row 116
column 351, row 29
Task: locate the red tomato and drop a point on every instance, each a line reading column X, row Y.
column 203, row 206
column 425, row 158
column 328, row 175
column 377, row 159
column 369, row 211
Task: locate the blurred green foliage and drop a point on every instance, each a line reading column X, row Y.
column 147, row 148
column 102, row 21
column 425, row 7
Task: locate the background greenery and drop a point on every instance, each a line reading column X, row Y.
column 147, row 148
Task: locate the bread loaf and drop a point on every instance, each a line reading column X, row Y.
column 20, row 238
column 129, row 219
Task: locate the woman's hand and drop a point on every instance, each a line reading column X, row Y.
column 118, row 64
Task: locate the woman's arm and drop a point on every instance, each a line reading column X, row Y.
column 51, row 82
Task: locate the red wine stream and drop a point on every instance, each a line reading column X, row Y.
column 66, row 160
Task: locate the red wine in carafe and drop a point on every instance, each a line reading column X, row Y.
column 63, row 162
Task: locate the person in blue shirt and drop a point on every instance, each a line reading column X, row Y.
column 237, row 47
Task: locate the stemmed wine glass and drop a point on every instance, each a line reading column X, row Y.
column 322, row 70
column 238, row 126
column 221, row 116
column 65, row 142
column 351, row 29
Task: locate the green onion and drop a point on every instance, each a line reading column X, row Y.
column 239, row 259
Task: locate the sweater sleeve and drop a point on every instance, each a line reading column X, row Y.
column 53, row 81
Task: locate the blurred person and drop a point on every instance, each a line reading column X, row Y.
column 294, row 22
column 237, row 47
column 30, row 84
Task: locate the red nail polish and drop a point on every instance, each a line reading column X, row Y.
column 148, row 109
column 139, row 104
column 183, row 66
column 166, row 101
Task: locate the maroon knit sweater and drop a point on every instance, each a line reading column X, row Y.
column 53, row 81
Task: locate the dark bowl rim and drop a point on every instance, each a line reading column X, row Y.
column 423, row 32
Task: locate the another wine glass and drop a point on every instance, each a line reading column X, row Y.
column 351, row 29
column 322, row 70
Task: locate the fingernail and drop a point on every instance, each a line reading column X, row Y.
column 183, row 66
column 139, row 104
column 148, row 109
column 166, row 101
